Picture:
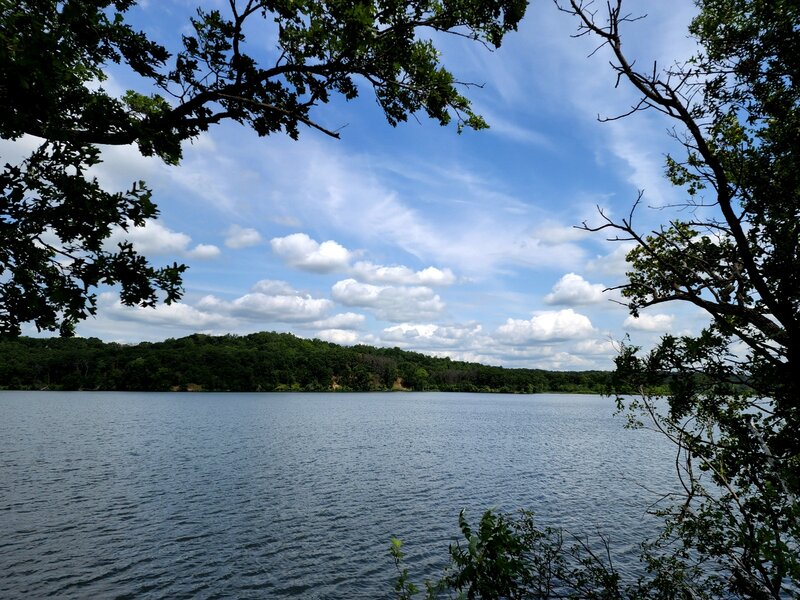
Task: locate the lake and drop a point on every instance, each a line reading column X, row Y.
column 127, row 495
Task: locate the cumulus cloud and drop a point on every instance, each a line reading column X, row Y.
column 204, row 251
column 257, row 306
column 241, row 237
column 647, row 322
column 573, row 290
column 401, row 275
column 408, row 331
column 177, row 314
column 565, row 361
column 270, row 300
column 431, row 335
column 154, row 239
column 273, row 287
column 338, row 336
column 389, row 303
column 545, row 326
column 341, row 321
column 302, row 252
column 470, row 343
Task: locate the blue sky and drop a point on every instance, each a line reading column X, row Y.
column 416, row 236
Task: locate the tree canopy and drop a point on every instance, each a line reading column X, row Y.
column 54, row 58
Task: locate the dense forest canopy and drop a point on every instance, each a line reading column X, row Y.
column 261, row 362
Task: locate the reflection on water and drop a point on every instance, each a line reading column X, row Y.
column 276, row 495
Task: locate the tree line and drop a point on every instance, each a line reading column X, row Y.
column 261, row 362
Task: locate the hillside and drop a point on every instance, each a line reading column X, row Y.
column 261, row 362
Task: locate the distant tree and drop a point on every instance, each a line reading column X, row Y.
column 418, row 380
column 54, row 56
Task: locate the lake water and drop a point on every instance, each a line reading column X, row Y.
column 125, row 495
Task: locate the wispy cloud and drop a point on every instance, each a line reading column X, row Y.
column 237, row 236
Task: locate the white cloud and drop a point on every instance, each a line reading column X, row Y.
column 155, row 239
column 401, row 275
column 15, row 151
column 269, row 303
column 389, row 303
column 431, row 335
column 408, row 331
column 339, row 336
column 124, row 165
column 204, row 251
column 273, row 287
column 512, row 129
column 545, row 326
column 553, row 234
column 372, row 200
column 647, row 322
column 241, row 237
column 612, row 264
column 341, row 321
column 205, row 175
column 644, row 167
column 565, row 361
column 270, row 300
column 257, row 306
column 469, row 343
column 286, row 221
column 299, row 250
column 573, row 290
column 596, row 347
column 176, row 315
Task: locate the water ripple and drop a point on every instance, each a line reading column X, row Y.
column 294, row 496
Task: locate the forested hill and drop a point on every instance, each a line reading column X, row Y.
column 260, row 362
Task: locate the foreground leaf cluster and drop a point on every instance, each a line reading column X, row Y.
column 512, row 557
